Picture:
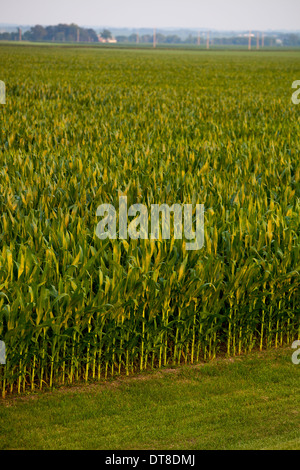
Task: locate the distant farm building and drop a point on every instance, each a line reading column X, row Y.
column 108, row 40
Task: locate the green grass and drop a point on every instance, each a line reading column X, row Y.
column 249, row 402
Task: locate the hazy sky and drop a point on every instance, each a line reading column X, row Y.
column 216, row 14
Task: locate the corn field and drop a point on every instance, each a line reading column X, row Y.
column 82, row 126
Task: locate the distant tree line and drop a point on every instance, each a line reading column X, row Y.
column 148, row 38
column 269, row 41
column 58, row 33
column 9, row 36
column 74, row 33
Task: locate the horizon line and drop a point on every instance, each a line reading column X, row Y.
column 189, row 28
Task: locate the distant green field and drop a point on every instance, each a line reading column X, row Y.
column 162, row 46
column 79, row 127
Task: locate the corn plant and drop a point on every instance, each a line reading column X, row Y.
column 81, row 127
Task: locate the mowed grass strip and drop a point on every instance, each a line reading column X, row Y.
column 249, row 402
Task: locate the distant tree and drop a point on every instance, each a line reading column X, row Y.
column 50, row 33
column 147, row 38
column 92, row 35
column 5, row 36
column 132, row 38
column 173, row 39
column 37, row 33
column 292, row 40
column 106, row 34
column 60, row 33
column 60, row 36
column 160, row 38
column 190, row 39
column 122, row 38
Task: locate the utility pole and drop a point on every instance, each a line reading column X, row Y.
column 263, row 40
column 77, row 34
column 154, row 38
column 249, row 41
column 137, row 38
column 207, row 40
column 198, row 42
column 20, row 34
column 257, row 40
